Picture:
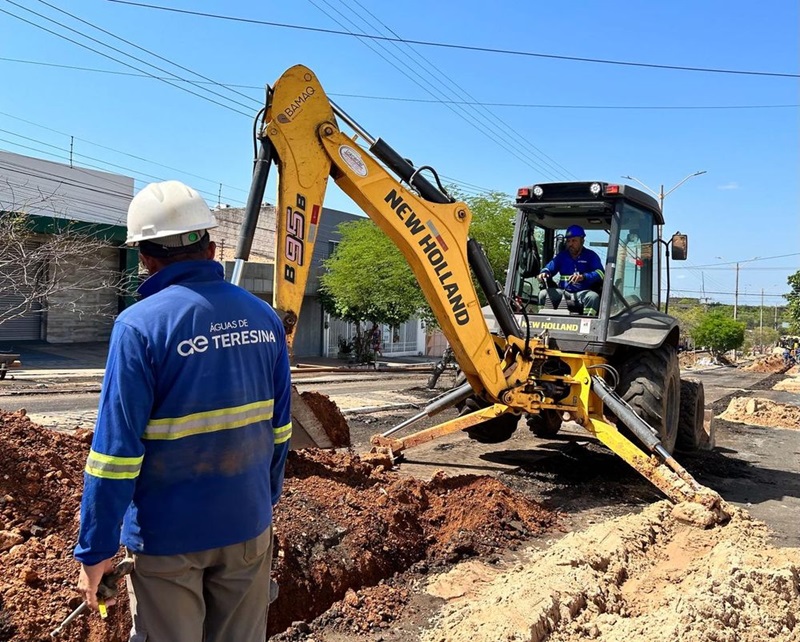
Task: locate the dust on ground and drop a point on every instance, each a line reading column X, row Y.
column 756, row 411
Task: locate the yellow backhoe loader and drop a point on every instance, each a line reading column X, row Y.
column 541, row 361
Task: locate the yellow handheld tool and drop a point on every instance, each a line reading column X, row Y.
column 106, row 589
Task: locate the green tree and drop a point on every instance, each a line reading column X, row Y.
column 719, row 333
column 493, row 216
column 368, row 283
column 793, row 309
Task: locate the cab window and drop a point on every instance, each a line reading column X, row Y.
column 633, row 279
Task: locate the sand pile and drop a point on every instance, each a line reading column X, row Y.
column 638, row 578
column 762, row 412
column 770, row 363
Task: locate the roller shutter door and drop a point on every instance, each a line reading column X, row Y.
column 27, row 327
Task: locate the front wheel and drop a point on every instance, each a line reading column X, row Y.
column 650, row 382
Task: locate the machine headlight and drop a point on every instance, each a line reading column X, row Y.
column 595, row 188
column 538, row 191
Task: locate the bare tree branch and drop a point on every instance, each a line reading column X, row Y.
column 64, row 269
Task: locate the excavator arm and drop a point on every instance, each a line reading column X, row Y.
column 309, row 146
column 301, row 135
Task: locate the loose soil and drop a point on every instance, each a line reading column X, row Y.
column 369, row 555
column 770, row 363
column 342, row 525
column 637, row 578
column 755, row 411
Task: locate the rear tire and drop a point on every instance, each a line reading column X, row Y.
column 546, row 424
column 691, row 433
column 650, row 382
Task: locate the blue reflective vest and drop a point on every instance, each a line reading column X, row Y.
column 194, row 420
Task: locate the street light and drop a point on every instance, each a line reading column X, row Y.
column 661, row 195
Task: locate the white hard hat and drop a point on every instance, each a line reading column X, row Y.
column 168, row 209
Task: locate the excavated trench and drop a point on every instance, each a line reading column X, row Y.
column 342, row 525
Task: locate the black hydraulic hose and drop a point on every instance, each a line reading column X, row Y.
column 491, row 288
column 643, row 431
column 254, row 199
column 406, row 171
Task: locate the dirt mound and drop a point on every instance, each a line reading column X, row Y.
column 790, row 383
column 40, row 487
column 638, row 578
column 691, row 358
column 770, row 363
column 762, row 412
column 342, row 525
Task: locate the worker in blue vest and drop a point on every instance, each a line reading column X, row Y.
column 192, row 434
column 581, row 273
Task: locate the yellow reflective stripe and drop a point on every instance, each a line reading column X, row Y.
column 109, row 467
column 600, row 273
column 283, row 434
column 209, row 421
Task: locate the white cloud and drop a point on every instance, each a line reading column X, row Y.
column 731, row 185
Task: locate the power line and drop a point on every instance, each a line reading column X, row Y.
column 493, row 121
column 100, row 53
column 467, row 117
column 741, row 294
column 477, row 103
column 141, row 176
column 148, row 51
column 757, row 258
column 118, row 151
column 426, row 43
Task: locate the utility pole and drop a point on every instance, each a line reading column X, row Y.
column 736, row 294
column 761, row 326
column 661, row 195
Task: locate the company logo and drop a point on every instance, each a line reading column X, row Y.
column 293, row 107
column 434, row 247
column 190, row 346
column 353, row 160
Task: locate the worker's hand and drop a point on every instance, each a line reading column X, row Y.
column 543, row 276
column 576, row 278
column 89, row 580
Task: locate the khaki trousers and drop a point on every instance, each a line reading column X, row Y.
column 218, row 595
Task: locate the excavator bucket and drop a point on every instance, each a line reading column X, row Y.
column 317, row 422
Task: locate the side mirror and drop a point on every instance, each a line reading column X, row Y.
column 680, row 246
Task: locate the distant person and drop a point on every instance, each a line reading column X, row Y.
column 192, row 434
column 580, row 270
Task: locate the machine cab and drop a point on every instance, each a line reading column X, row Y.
column 621, row 225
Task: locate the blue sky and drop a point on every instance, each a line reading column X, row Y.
column 571, row 120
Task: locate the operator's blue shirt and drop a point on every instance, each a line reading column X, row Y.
column 586, row 263
column 194, row 420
